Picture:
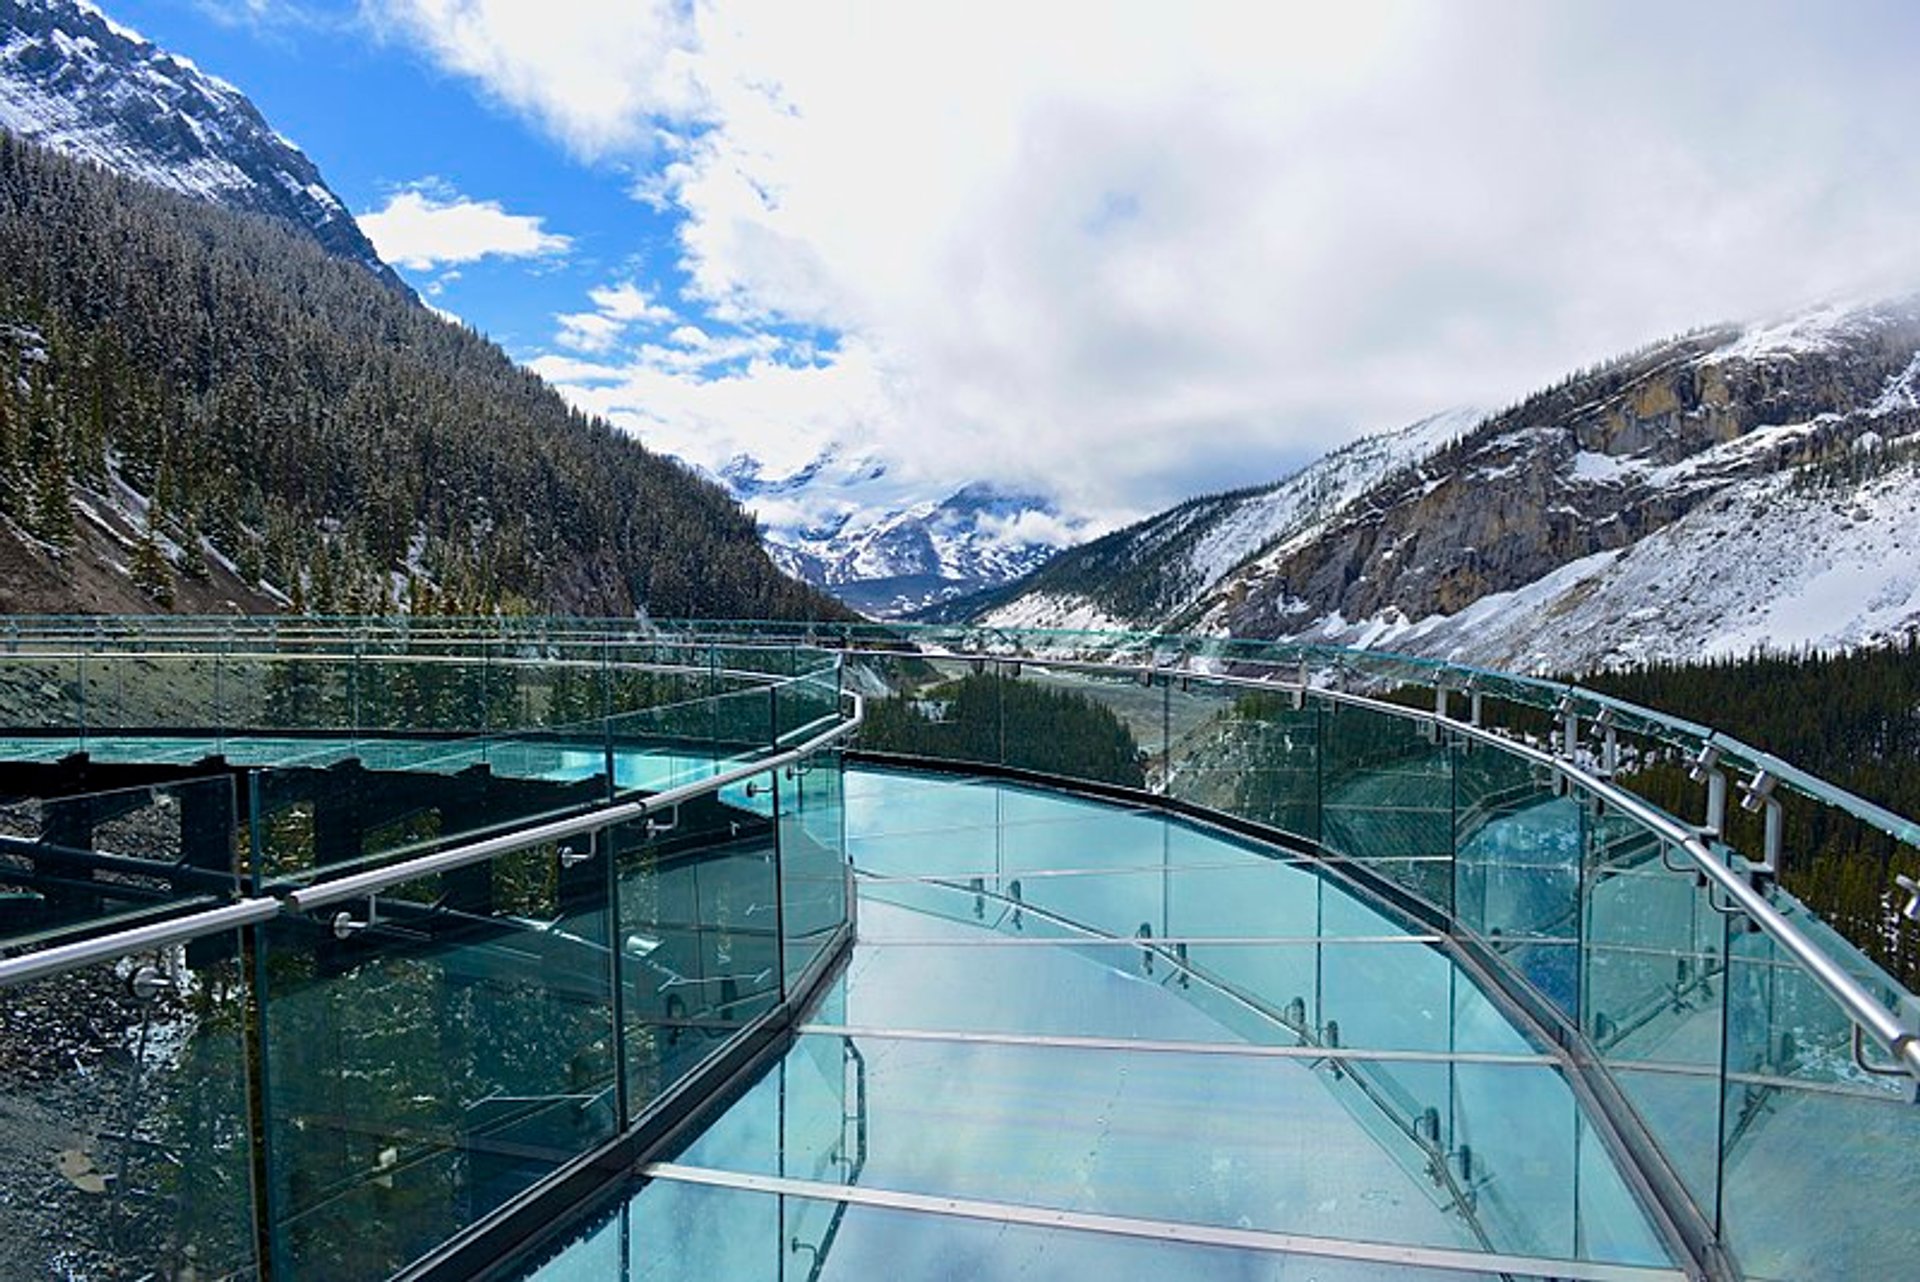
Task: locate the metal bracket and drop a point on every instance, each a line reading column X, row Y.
column 1705, row 769
column 1609, row 743
column 346, row 925
column 573, row 858
column 1861, row 1062
column 1911, row 911
column 1756, row 795
column 148, row 982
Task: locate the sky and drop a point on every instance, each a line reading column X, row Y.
column 1122, row 253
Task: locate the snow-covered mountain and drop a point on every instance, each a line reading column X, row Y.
column 74, row 80
column 1152, row 573
column 835, row 524
column 1737, row 488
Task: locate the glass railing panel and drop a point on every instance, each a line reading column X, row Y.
column 92, row 862
column 430, row 1053
column 1653, row 974
column 1100, row 727
column 699, row 949
column 1817, row 1154
column 350, row 806
column 1387, row 795
column 153, row 690
column 805, row 706
column 303, row 693
column 40, row 696
column 1518, row 846
column 1544, row 1187
column 813, row 860
column 127, row 1121
column 941, row 709
column 928, row 825
column 1249, row 753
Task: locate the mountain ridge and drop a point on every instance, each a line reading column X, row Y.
column 1618, row 516
column 76, row 81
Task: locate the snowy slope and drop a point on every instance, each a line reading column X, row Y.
column 1766, row 564
column 73, row 80
column 1150, row 574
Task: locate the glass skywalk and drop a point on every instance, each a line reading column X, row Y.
column 558, row 949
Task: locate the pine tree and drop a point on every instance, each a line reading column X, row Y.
column 149, row 568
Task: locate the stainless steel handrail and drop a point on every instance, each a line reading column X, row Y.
column 246, row 912
column 178, row 930
column 1847, row 992
column 374, row 880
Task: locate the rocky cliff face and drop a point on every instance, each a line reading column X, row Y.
column 1590, row 467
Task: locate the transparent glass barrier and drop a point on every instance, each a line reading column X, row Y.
column 670, row 1230
column 1518, row 842
column 1653, row 974
column 813, row 861
column 1093, row 726
column 1250, row 753
column 430, row 1053
column 699, row 950
column 1803, row 1126
column 40, row 702
column 1224, row 1140
column 91, row 862
column 124, row 1119
column 1386, row 785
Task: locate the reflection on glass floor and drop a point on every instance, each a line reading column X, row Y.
column 1076, row 1039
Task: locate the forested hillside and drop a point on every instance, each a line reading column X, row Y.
column 1852, row 719
column 188, row 392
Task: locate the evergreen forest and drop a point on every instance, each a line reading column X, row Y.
column 207, row 387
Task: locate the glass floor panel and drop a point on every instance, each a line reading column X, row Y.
column 684, row 1232
column 913, row 970
column 1270, row 1056
column 1339, row 1150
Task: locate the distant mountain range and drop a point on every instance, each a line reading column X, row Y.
column 74, row 80
column 1739, row 487
column 838, row 524
column 1155, row 570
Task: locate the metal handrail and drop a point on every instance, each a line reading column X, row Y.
column 1847, row 992
column 374, row 880
column 179, row 930
column 246, row 912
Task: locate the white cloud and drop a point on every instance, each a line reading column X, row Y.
column 594, row 72
column 617, row 310
column 423, row 227
column 1140, row 251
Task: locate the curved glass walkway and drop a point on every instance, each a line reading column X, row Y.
column 558, row 949
column 1074, row 1038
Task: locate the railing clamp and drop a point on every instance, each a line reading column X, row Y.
column 1911, row 910
column 570, row 857
column 346, row 925
column 1893, row 1068
column 148, row 982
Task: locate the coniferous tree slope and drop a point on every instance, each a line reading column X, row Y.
column 1852, row 719
column 202, row 409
